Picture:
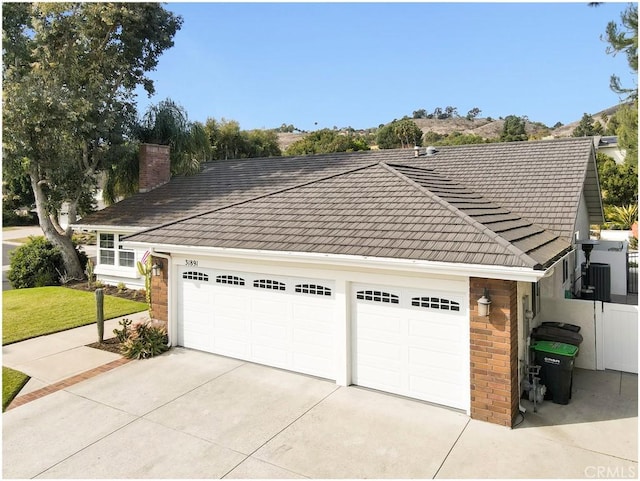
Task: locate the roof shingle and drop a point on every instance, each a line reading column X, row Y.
column 493, row 204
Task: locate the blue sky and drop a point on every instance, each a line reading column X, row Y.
column 317, row 65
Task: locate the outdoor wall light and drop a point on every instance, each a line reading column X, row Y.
column 156, row 268
column 484, row 304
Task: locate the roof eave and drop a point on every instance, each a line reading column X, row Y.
column 125, row 229
column 524, row 274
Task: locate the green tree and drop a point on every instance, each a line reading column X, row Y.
column 70, row 72
column 587, row 127
column 17, row 201
column 231, row 142
column 166, row 123
column 408, row 133
column 473, row 113
column 618, row 182
column 399, row 133
column 420, row 114
column 262, row 143
column 458, row 138
column 326, row 141
column 627, row 131
column 513, row 129
column 624, row 39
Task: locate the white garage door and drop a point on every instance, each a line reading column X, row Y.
column 412, row 343
column 284, row 322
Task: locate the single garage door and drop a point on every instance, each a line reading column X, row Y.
column 413, row 343
column 285, row 322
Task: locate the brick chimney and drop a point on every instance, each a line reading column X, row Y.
column 155, row 167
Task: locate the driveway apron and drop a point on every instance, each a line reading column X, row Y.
column 188, row 414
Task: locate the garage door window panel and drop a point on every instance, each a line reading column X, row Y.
column 436, row 303
column 230, row 280
column 378, row 296
column 269, row 284
column 195, row 276
column 313, row 289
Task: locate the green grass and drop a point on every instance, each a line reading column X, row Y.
column 12, row 382
column 28, row 313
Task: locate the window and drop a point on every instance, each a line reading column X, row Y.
column 269, row 284
column 313, row 289
column 109, row 255
column 107, row 250
column 233, row 280
column 377, row 296
column 195, row 276
column 126, row 258
column 435, row 303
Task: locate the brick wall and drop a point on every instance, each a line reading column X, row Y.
column 160, row 292
column 494, row 353
column 155, row 167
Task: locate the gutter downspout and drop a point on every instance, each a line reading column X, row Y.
column 170, row 317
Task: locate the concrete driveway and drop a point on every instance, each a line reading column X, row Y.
column 188, row 414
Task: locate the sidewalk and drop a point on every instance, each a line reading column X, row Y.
column 56, row 360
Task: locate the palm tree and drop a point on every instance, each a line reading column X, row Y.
column 166, row 124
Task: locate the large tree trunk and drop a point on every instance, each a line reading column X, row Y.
column 70, row 258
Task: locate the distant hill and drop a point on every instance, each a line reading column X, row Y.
column 566, row 130
column 488, row 129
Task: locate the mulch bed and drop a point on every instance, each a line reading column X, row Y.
column 132, row 294
column 111, row 345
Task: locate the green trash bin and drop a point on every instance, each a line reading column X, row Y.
column 556, row 360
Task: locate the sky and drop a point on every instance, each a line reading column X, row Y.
column 320, row 65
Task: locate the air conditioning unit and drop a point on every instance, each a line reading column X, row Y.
column 600, row 279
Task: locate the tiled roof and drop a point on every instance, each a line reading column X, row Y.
column 541, row 181
column 378, row 210
column 222, row 183
column 510, row 204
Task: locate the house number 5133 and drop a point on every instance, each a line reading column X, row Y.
column 191, row 263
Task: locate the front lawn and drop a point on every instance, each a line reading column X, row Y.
column 12, row 382
column 28, row 313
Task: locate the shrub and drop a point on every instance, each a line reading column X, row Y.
column 621, row 217
column 123, row 334
column 38, row 263
column 145, row 340
column 35, row 264
column 121, row 287
column 11, row 218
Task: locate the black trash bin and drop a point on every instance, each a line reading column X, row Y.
column 562, row 325
column 552, row 331
column 556, row 360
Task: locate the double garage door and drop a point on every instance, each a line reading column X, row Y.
column 408, row 342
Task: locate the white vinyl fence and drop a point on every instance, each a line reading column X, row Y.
column 610, row 331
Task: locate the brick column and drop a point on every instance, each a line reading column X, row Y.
column 494, row 352
column 160, row 292
column 155, row 166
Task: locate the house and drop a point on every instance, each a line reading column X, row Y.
column 608, row 145
column 367, row 268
